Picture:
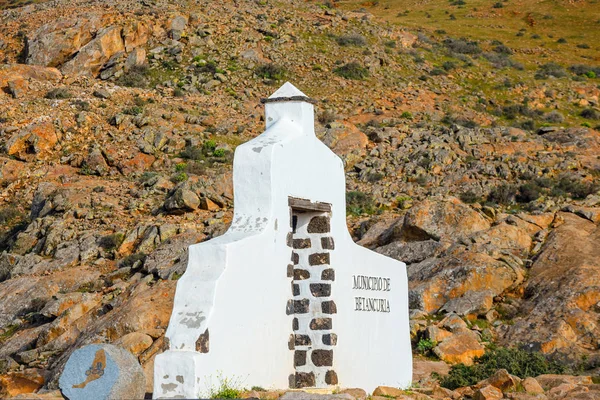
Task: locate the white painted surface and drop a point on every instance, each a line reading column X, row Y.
column 236, row 285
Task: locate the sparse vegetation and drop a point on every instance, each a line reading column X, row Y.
column 352, row 70
column 358, row 203
column 59, row 93
column 270, row 71
column 353, row 39
column 517, row 362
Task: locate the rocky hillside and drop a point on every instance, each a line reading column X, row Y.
column 118, row 120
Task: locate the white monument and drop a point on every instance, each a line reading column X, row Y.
column 285, row 298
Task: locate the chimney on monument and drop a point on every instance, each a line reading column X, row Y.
column 290, row 103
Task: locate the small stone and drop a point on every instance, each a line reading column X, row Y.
column 301, row 306
column 304, row 379
column 327, row 243
column 328, row 307
column 301, row 244
column 295, row 289
column 299, row 358
column 331, row 378
column 330, row 339
column 319, row 225
column 102, row 94
column 321, row 324
column 302, row 340
column 328, row 275
column 318, row 259
column 320, row 289
column 322, row 358
column 301, row 274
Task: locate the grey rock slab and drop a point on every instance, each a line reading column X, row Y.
column 102, row 371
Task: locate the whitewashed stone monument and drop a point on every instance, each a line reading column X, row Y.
column 285, row 298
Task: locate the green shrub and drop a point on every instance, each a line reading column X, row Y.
column 136, row 77
column 462, row 46
column 131, row 259
column 517, row 362
column 219, row 153
column 353, row 39
column 180, row 177
column 407, row 115
column 270, row 71
column 358, row 203
column 554, row 117
column 550, row 69
column 326, row 117
column 504, row 194
column 135, row 110
column 352, row 70
column 574, row 187
column 227, row 389
column 529, row 192
column 58, row 93
column 111, row 242
column 8, row 214
column 425, row 346
column 590, row 113
column 470, row 197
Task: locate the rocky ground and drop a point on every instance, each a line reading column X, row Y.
column 118, row 122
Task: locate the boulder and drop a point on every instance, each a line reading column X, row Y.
column 447, row 219
column 461, row 347
column 177, row 25
column 550, row 381
column 459, row 273
column 488, row 393
column 58, row 40
column 135, row 342
column 387, row 391
column 102, row 371
column 170, row 257
column 96, row 163
column 532, row 386
column 21, row 382
column 356, row 393
column 559, row 313
column 135, row 34
column 501, row 380
column 91, row 57
column 135, row 58
column 35, row 140
column 12, row 72
column 422, row 369
column 347, row 141
column 10, row 170
column 412, row 252
column 182, row 199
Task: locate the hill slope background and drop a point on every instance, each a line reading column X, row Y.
column 470, row 138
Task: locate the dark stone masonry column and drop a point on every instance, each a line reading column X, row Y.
column 313, row 340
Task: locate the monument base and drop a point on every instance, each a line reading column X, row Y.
column 170, row 368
